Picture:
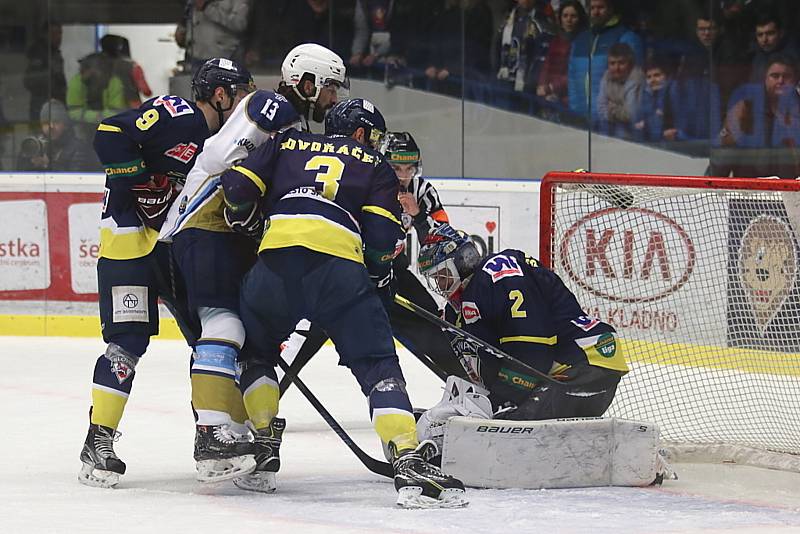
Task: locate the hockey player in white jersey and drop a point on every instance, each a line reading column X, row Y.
column 214, row 248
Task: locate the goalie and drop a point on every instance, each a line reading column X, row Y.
column 510, row 301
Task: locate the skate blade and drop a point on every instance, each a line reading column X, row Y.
column 260, row 481
column 97, row 478
column 411, row 497
column 212, row 471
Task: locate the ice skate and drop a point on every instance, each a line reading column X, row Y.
column 222, row 454
column 101, row 466
column 421, row 484
column 267, row 445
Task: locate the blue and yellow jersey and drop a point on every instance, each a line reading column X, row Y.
column 516, row 304
column 162, row 136
column 328, row 194
column 258, row 117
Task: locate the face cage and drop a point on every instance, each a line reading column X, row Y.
column 444, row 278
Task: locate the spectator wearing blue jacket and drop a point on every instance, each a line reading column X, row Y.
column 655, row 120
column 589, row 55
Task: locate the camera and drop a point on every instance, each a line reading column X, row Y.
column 33, row 147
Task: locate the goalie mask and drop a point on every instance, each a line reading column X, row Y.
column 324, row 68
column 447, row 259
column 403, row 155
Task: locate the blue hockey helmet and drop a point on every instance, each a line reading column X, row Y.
column 348, row 115
column 221, row 72
column 447, row 259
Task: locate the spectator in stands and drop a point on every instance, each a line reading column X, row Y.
column 763, row 116
column 620, row 92
column 277, row 27
column 213, row 28
column 127, row 70
column 552, row 83
column 524, row 39
column 770, row 39
column 379, row 37
column 58, row 148
column 44, row 74
column 655, row 119
column 589, row 55
column 697, row 92
column 443, row 70
column 97, row 90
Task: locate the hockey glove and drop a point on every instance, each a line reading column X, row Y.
column 245, row 219
column 153, row 200
column 384, row 285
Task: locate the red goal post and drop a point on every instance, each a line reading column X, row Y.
column 700, row 277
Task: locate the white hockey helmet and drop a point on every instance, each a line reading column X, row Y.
column 314, row 62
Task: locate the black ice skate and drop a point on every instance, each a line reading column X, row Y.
column 420, row 484
column 222, row 454
column 267, row 444
column 101, row 466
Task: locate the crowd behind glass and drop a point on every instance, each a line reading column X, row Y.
column 708, row 78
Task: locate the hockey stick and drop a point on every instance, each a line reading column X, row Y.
column 486, row 347
column 376, row 466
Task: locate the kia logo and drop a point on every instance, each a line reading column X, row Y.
column 631, row 256
column 130, row 301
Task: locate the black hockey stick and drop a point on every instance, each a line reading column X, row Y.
column 376, row 466
column 486, row 347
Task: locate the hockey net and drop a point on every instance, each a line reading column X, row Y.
column 700, row 278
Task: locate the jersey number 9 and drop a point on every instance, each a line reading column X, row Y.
column 148, row 119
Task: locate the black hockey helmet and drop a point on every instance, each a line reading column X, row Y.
column 401, row 149
column 348, row 115
column 220, row 72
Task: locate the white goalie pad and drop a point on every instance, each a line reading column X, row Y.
column 556, row 453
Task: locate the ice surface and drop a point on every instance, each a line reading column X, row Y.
column 45, row 395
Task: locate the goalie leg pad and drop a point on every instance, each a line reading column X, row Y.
column 460, row 398
column 559, row 453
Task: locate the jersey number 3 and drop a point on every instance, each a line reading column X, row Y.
column 329, row 178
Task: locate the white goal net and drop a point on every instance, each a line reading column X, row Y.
column 700, row 278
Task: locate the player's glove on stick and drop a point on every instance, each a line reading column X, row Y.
column 153, row 200
column 245, row 219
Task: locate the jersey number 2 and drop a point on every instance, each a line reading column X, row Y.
column 329, row 178
column 516, row 296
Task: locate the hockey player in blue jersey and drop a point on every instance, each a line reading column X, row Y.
column 213, row 253
column 334, row 229
column 147, row 153
column 510, row 301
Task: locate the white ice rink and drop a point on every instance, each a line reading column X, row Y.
column 44, row 398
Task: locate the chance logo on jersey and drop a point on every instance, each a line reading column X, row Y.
column 470, row 312
column 502, row 266
column 585, row 323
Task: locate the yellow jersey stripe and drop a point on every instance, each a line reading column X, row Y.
column 377, row 210
column 108, row 128
column 530, row 339
column 129, row 244
column 256, row 179
column 316, row 234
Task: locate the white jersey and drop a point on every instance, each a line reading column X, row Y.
column 200, row 204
